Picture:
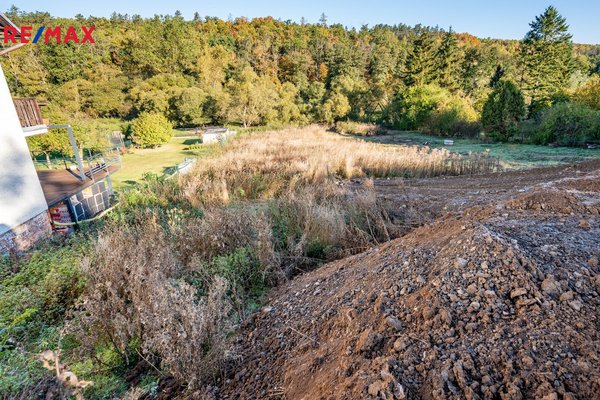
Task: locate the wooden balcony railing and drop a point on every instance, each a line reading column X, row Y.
column 28, row 111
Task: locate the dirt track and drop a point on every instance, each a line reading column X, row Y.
column 420, row 201
column 498, row 298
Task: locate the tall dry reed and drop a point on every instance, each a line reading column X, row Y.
column 265, row 165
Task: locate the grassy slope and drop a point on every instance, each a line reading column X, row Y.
column 512, row 156
column 159, row 161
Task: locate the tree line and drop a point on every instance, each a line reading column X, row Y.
column 270, row 72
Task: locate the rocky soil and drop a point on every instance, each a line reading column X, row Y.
column 496, row 296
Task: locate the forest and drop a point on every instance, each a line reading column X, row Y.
column 207, row 71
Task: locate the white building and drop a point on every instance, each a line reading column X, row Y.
column 216, row 135
column 34, row 203
column 23, row 207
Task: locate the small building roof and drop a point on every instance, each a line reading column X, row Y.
column 4, row 49
column 5, row 21
column 215, row 129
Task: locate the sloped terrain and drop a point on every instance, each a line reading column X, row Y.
column 498, row 299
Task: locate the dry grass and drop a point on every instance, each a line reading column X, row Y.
column 358, row 128
column 265, row 165
column 183, row 260
column 136, row 291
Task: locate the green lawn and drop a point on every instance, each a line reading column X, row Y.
column 159, row 161
column 511, row 155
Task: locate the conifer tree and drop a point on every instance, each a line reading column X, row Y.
column 323, row 20
column 547, row 58
column 420, row 68
column 498, row 74
column 503, row 110
column 448, row 61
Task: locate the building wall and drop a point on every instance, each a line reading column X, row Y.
column 21, row 197
column 26, row 234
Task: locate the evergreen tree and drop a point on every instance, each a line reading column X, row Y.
column 503, row 110
column 498, row 74
column 448, row 61
column 547, row 58
column 420, row 68
column 323, row 20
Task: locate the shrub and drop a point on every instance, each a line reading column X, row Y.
column 503, row 110
column 589, row 94
column 335, row 107
column 136, row 294
column 358, row 128
column 410, row 109
column 151, row 130
column 569, row 124
column 35, row 293
column 43, row 287
column 258, row 245
column 455, row 117
column 432, row 109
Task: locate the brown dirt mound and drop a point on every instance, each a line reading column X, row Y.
column 589, row 184
column 549, row 201
column 497, row 302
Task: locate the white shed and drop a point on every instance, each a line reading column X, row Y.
column 216, row 135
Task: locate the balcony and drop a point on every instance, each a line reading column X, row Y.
column 60, row 184
column 30, row 116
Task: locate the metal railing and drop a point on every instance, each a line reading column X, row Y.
column 101, row 163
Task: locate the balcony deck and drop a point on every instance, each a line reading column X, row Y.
column 58, row 184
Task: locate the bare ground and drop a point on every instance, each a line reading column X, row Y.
column 494, row 296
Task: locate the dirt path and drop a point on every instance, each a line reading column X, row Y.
column 496, row 299
column 421, row 201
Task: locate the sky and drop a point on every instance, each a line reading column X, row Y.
column 505, row 19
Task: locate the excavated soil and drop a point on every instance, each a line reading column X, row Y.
column 496, row 296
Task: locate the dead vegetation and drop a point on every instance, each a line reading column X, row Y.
column 359, row 128
column 182, row 262
column 138, row 301
column 268, row 164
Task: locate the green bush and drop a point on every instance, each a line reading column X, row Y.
column 35, row 293
column 503, row 110
column 243, row 271
column 432, row 109
column 569, row 124
column 151, row 130
column 454, row 117
column 39, row 292
column 410, row 109
column 335, row 107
